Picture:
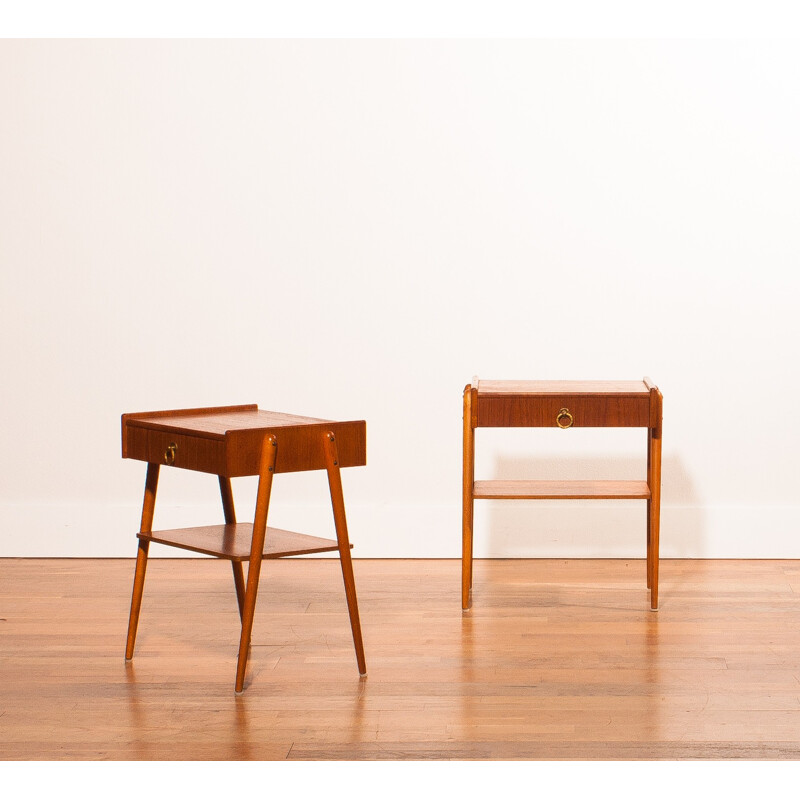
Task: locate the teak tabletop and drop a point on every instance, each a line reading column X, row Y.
column 233, row 441
column 562, row 387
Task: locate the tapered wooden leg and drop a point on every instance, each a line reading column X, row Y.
column 267, row 468
column 649, row 547
column 226, row 492
column 340, row 520
column 238, row 582
column 654, row 517
column 148, row 508
column 649, row 508
column 467, row 500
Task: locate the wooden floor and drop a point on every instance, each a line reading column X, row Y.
column 556, row 660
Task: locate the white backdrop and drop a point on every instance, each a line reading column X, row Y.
column 352, row 229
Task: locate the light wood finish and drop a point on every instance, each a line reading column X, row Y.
column 557, row 660
column 565, row 404
column 224, row 440
column 146, row 524
column 587, row 388
column 340, row 521
column 654, row 521
column 561, row 490
column 234, row 542
column 654, row 481
column 269, row 451
column 467, row 506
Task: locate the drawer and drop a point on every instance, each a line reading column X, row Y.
column 582, row 410
column 175, row 449
column 300, row 448
column 237, row 453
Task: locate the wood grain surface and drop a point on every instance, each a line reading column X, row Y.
column 227, row 441
column 591, row 388
column 561, row 490
column 556, row 660
column 235, row 540
column 541, row 411
column 521, row 404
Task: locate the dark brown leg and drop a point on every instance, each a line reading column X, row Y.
column 467, row 501
column 226, row 492
column 337, row 501
column 267, row 468
column 148, row 507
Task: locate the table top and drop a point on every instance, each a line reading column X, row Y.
column 218, row 422
column 227, row 440
column 510, row 387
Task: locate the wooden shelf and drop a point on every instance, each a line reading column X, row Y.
column 560, row 490
column 233, row 541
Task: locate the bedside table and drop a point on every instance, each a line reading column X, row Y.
column 563, row 404
column 234, row 441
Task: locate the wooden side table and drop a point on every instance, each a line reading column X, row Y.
column 563, row 404
column 229, row 442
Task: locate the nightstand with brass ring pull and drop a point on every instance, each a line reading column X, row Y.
column 563, row 404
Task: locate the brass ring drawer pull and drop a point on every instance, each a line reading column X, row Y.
column 564, row 414
column 169, row 453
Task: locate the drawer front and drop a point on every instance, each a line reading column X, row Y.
column 299, row 448
column 176, row 450
column 545, row 411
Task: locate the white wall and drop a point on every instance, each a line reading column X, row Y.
column 352, row 229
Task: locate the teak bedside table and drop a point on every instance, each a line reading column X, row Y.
column 230, row 442
column 563, row 404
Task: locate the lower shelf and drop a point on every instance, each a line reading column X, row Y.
column 561, row 490
column 233, row 541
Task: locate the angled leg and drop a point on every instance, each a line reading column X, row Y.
column 337, row 501
column 267, row 468
column 148, row 507
column 228, row 507
column 467, row 501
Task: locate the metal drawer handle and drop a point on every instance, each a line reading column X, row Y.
column 169, row 453
column 564, row 414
